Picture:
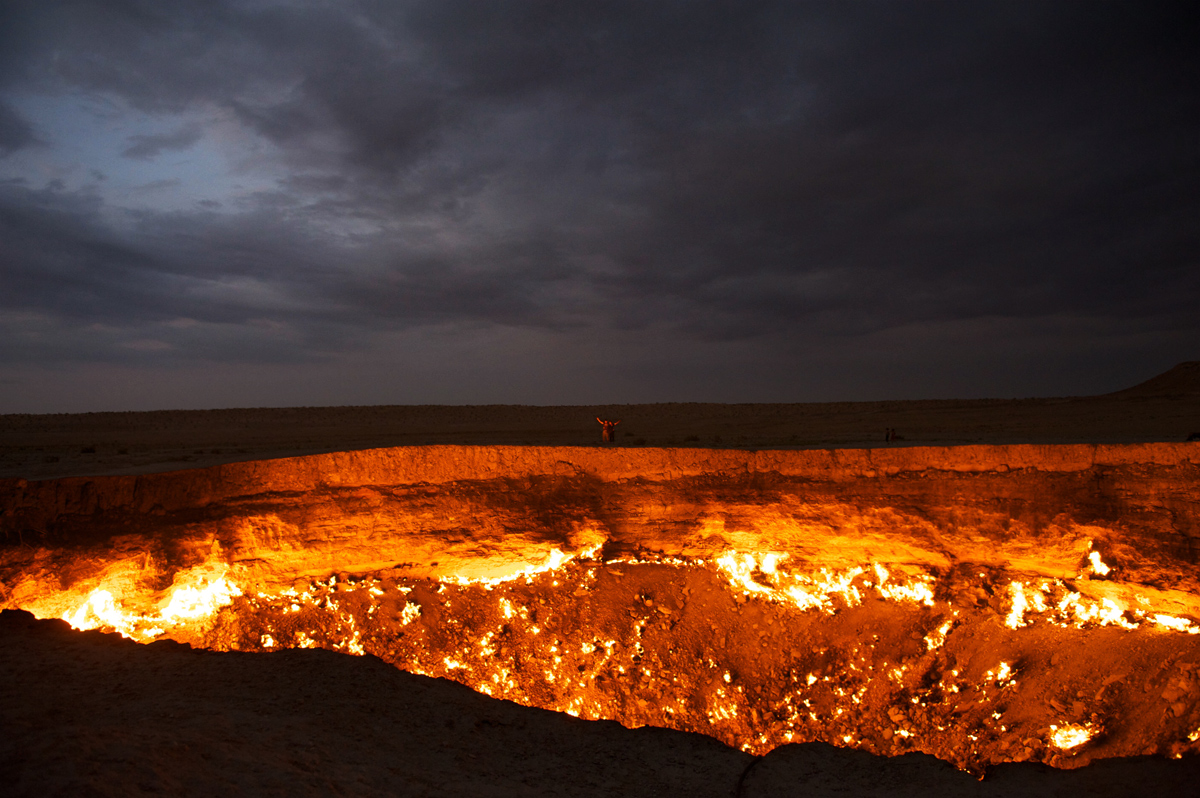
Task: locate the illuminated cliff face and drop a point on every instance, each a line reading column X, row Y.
column 982, row 604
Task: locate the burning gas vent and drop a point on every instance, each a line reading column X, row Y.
column 980, row 615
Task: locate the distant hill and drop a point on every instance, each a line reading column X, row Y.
column 1182, row 380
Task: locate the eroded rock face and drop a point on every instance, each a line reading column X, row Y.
column 984, row 603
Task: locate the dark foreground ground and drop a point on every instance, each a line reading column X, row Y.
column 1165, row 408
column 88, row 714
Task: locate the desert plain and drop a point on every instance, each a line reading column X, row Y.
column 1164, row 408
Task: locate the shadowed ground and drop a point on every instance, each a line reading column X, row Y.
column 87, row 714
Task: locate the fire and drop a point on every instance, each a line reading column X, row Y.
column 100, row 610
column 752, row 647
column 195, row 597
column 1175, row 623
column 1016, row 616
column 1098, row 566
column 1070, row 735
column 825, row 590
column 937, row 638
column 1002, row 675
column 554, row 560
column 1070, row 609
column 188, row 602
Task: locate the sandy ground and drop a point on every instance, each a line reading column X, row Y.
column 1166, row 408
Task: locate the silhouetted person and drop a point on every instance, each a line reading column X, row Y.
column 609, row 432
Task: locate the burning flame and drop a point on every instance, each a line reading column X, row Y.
column 100, row 610
column 555, row 560
column 1072, row 735
column 1002, row 675
column 190, row 603
column 1071, row 609
column 1098, row 566
column 1016, row 616
column 1176, row 624
column 937, row 638
column 504, row 638
column 191, row 600
column 816, row 591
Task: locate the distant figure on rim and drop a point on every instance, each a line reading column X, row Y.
column 609, row 433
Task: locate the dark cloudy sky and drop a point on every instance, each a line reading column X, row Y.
column 246, row 202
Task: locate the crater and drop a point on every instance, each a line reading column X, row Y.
column 982, row 604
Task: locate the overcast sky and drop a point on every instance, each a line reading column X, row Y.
column 228, row 203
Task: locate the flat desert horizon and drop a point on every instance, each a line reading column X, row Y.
column 1161, row 409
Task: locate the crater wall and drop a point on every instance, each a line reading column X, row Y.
column 490, row 510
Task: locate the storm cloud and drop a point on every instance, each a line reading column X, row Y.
column 151, row 146
column 612, row 201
